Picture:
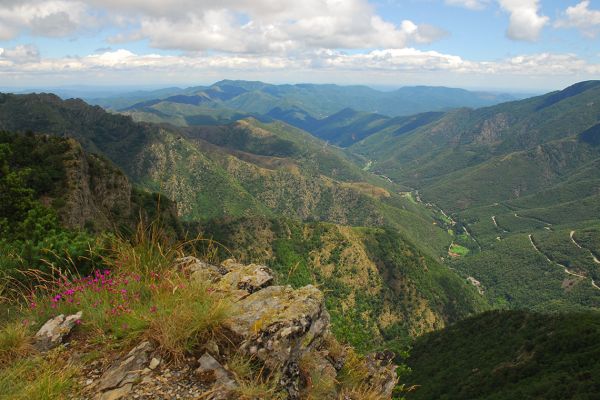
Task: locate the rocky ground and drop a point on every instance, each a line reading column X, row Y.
column 282, row 330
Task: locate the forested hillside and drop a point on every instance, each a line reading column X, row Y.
column 509, row 355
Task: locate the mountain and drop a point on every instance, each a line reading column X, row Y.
column 289, row 200
column 241, row 169
column 381, row 289
column 521, row 179
column 509, row 355
column 349, row 126
column 464, row 147
column 317, row 101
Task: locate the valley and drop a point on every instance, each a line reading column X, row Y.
column 300, row 200
column 411, row 225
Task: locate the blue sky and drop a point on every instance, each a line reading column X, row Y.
column 526, row 45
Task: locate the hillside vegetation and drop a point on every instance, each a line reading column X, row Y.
column 242, row 169
column 509, row 355
column 519, row 177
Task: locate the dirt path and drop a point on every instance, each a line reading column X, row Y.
column 497, row 225
column 578, row 245
column 471, row 236
column 566, row 270
column 573, row 240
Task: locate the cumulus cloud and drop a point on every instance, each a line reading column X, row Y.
column 22, row 60
column 235, row 26
column 581, row 17
column 54, row 18
column 20, row 55
column 525, row 21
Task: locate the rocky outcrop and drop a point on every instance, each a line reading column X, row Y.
column 278, row 325
column 54, row 331
column 118, row 380
column 281, row 326
column 97, row 191
column 284, row 332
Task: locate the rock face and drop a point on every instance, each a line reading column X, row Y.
column 96, row 191
column 54, row 331
column 119, row 379
column 279, row 324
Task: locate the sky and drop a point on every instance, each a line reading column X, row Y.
column 506, row 45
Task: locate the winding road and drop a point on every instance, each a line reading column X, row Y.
column 578, row 245
column 566, row 270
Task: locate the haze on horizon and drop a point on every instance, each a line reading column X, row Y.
column 508, row 45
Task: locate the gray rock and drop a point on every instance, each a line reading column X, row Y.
column 382, row 373
column 277, row 325
column 117, row 393
column 199, row 270
column 210, row 372
column 124, row 372
column 54, row 331
column 154, row 363
column 246, row 278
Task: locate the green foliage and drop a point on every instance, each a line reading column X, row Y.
column 31, row 235
column 509, row 355
column 393, row 275
column 514, row 275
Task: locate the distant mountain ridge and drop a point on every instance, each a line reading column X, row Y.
column 317, row 100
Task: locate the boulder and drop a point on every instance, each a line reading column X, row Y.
column 247, row 278
column 118, row 380
column 277, row 325
column 54, row 331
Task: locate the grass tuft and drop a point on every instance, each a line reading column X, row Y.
column 38, row 378
column 15, row 342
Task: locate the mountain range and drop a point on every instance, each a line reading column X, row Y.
column 228, row 99
column 412, row 216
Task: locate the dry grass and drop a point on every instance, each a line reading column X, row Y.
column 49, row 378
column 255, row 382
column 15, row 342
column 186, row 317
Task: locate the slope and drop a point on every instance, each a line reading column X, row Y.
column 242, row 169
column 509, row 355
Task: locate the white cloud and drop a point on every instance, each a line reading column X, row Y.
column 20, row 54
column 236, row 26
column 54, row 18
column 581, row 17
column 470, row 4
column 23, row 60
column 525, row 21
